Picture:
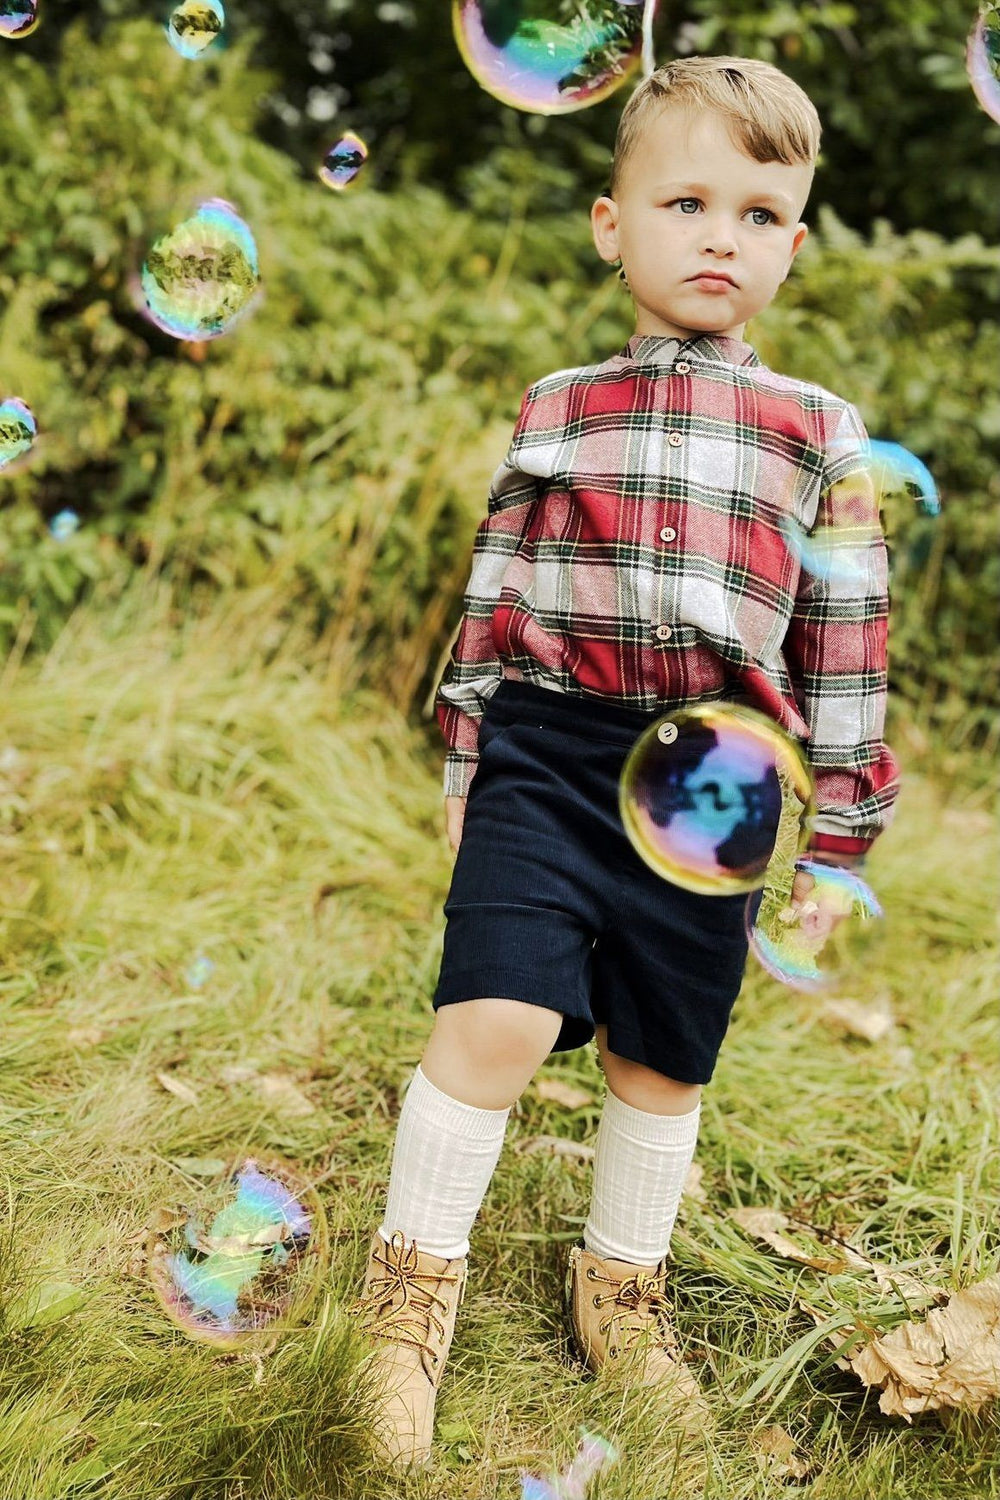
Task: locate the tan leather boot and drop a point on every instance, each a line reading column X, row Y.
column 408, row 1306
column 619, row 1312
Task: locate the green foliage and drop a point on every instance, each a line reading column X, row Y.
column 339, row 441
column 903, row 134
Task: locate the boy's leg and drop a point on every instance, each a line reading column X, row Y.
column 615, row 1290
column 480, row 1057
column 481, row 1053
column 645, row 1144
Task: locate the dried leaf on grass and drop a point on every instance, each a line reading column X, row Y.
column 566, row 1094
column 951, row 1358
column 768, row 1224
column 776, row 1453
column 556, row 1146
column 869, row 1021
column 692, row 1183
column 175, row 1086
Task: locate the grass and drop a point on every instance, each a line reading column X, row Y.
column 182, row 781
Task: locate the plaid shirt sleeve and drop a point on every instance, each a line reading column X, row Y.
column 473, row 671
column 836, row 652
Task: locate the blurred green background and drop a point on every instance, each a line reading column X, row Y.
column 339, row 442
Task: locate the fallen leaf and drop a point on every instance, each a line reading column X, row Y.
column 199, row 1166
column 869, row 1021
column 44, row 1304
column 175, row 1086
column 566, row 1094
column 283, row 1094
column 768, row 1224
column 692, row 1183
column 952, row 1358
column 776, row 1453
column 86, row 1036
column 557, row 1146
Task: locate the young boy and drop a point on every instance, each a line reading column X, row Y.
column 632, row 562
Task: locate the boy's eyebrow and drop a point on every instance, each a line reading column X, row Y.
column 699, row 187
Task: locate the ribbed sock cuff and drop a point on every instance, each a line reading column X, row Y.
column 451, row 1114
column 652, row 1130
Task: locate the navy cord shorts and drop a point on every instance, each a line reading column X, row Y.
column 550, row 904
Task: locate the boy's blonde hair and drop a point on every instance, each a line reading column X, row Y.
column 771, row 118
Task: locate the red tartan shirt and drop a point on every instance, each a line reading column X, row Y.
column 635, row 550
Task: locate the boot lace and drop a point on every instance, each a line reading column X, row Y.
column 410, row 1321
column 640, row 1307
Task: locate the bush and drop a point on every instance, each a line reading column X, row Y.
column 339, row 441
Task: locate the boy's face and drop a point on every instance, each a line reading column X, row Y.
column 691, row 202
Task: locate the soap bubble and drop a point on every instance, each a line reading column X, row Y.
column 194, row 26
column 256, row 1266
column 700, row 795
column 200, row 969
column 18, row 18
column 799, row 948
column 199, row 279
column 549, row 56
column 982, row 60
column 593, row 1454
column 17, row 432
column 876, row 502
column 343, row 161
column 64, row 524
column 894, row 469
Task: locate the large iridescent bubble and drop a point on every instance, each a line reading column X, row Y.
column 199, row 279
column 895, row 470
column 878, row 500
column 18, row 18
column 700, row 796
column 982, row 60
column 17, row 432
column 246, row 1260
column 800, row 946
column 194, row 25
column 549, row 56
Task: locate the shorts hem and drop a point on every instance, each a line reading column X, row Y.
column 639, row 1053
column 484, row 982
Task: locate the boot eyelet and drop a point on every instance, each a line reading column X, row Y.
column 613, row 1353
column 597, row 1299
column 602, row 1327
column 590, row 1274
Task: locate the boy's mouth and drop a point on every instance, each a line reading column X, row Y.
column 713, row 276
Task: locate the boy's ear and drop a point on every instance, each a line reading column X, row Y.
column 797, row 243
column 604, row 224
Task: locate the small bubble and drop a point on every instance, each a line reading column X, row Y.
column 194, row 26
column 17, row 431
column 343, row 161
column 18, row 18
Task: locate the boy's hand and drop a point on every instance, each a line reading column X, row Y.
column 817, row 915
column 454, row 816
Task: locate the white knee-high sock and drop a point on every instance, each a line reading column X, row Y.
column 443, row 1158
column 640, row 1163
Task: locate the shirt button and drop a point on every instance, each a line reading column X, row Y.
column 667, row 533
column 682, row 368
column 667, row 733
column 663, row 632
column 675, row 439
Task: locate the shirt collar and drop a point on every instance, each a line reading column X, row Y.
column 656, row 350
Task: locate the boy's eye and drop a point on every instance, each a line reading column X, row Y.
column 696, row 201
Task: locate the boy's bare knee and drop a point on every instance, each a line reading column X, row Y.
column 495, row 1032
